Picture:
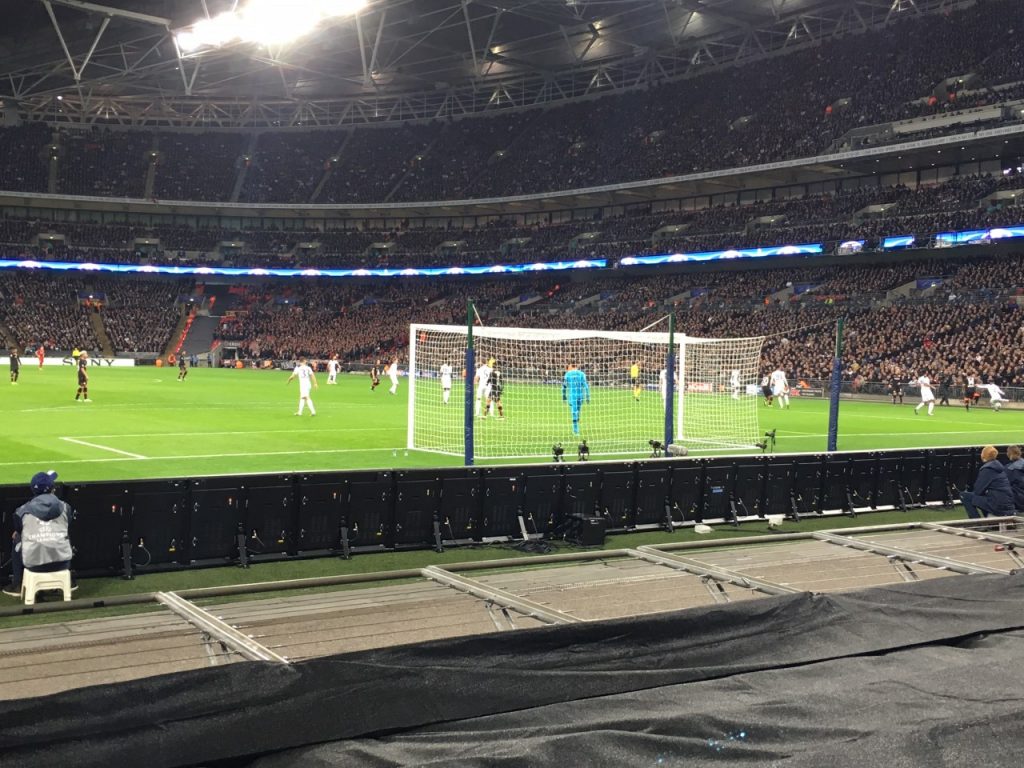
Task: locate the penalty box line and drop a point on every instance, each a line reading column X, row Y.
column 137, row 457
column 104, row 448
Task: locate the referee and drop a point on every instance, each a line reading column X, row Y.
column 15, row 365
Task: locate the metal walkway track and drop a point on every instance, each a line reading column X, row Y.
column 220, row 631
column 497, row 596
column 681, row 563
column 909, row 555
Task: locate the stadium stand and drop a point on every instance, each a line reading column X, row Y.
column 889, row 332
column 954, row 204
column 914, row 70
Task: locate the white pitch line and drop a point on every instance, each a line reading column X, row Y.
column 339, row 430
column 104, row 448
column 898, row 434
column 137, row 457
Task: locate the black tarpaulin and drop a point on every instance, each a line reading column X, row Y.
column 927, row 674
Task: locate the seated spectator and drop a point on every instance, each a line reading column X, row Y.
column 40, row 540
column 991, row 494
column 1015, row 472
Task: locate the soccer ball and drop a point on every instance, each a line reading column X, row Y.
column 775, row 521
column 997, row 406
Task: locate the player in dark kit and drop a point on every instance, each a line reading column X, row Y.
column 375, row 375
column 182, row 368
column 15, row 365
column 971, row 393
column 83, row 377
column 496, row 385
column 896, row 390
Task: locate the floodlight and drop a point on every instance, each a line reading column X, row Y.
column 264, row 22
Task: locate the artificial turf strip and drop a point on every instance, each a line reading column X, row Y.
column 143, row 423
column 99, row 588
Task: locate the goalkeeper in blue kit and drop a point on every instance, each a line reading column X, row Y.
column 576, row 392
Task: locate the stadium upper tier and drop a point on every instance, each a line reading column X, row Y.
column 790, row 106
column 864, row 213
column 943, row 316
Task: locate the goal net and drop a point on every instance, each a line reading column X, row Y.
column 713, row 404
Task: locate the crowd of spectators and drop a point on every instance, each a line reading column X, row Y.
column 139, row 316
column 36, row 309
column 969, row 322
column 795, row 105
column 950, row 316
column 198, row 166
column 868, row 212
column 103, row 164
column 25, row 165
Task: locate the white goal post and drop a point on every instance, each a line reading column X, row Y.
column 713, row 405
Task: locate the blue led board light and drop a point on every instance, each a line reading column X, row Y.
column 744, row 253
column 980, row 235
column 898, row 241
column 148, row 269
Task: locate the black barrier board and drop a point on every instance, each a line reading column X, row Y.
column 618, row 499
column 159, row 524
column 717, row 490
column 888, row 487
column 961, row 470
column 912, row 479
column 688, row 492
column 780, row 489
column 460, row 505
column 582, row 490
column 652, row 492
column 216, row 520
column 749, row 486
column 370, row 514
column 321, row 498
column 101, row 514
column 503, row 499
column 543, row 498
column 356, row 511
column 271, row 515
column 417, row 504
column 809, row 476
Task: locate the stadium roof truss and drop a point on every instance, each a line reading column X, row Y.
column 70, row 61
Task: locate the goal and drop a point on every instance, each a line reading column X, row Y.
column 621, row 418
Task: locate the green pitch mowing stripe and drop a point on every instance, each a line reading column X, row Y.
column 143, row 423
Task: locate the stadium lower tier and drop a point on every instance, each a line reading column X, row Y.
column 949, row 318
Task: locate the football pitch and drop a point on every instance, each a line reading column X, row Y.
column 143, row 423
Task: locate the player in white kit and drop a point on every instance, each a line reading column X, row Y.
column 393, row 375
column 780, row 387
column 482, row 382
column 997, row 395
column 734, row 384
column 333, row 366
column 927, row 395
column 446, row 382
column 307, row 383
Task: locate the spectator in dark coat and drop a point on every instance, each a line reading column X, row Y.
column 991, row 494
column 1015, row 472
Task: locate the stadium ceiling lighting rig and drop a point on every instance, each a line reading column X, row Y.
column 264, row 22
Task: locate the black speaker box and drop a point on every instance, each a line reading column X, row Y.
column 587, row 531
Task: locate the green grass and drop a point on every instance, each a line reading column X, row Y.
column 143, row 423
